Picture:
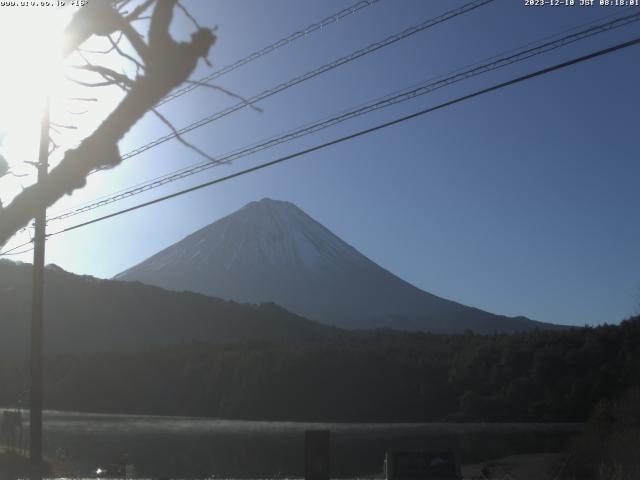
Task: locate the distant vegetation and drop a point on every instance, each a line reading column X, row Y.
column 84, row 313
column 377, row 376
column 608, row 447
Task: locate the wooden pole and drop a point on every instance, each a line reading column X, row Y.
column 35, row 413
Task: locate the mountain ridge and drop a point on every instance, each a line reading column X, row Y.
column 272, row 251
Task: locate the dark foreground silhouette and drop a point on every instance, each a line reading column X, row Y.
column 542, row 376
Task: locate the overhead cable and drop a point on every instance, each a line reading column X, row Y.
column 360, row 133
column 419, row 90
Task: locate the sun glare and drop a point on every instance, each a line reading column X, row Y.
column 32, row 69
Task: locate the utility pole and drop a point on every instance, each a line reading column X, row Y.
column 35, row 412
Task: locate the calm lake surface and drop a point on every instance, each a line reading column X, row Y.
column 178, row 447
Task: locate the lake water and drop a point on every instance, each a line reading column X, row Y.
column 176, row 447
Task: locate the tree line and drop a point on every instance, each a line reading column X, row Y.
column 543, row 375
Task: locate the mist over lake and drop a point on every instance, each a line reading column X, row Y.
column 196, row 447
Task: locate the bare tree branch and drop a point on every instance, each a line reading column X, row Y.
column 135, row 15
column 102, row 18
column 227, row 92
column 53, row 146
column 73, row 112
column 105, row 52
column 180, row 138
column 108, row 74
column 91, row 84
column 82, row 99
column 188, row 15
column 95, row 18
column 58, row 125
column 167, row 65
column 114, row 46
column 5, row 170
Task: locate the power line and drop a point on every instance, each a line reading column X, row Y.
column 407, row 94
column 11, row 250
column 271, row 48
column 319, row 25
column 311, row 74
column 18, row 253
column 360, row 133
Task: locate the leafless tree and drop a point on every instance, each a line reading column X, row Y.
column 162, row 65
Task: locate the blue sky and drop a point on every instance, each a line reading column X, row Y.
column 520, row 202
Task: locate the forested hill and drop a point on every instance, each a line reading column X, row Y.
column 87, row 314
column 379, row 376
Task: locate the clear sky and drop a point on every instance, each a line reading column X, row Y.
column 520, row 202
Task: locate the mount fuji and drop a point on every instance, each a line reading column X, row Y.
column 271, row 251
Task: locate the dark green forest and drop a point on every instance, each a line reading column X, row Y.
column 550, row 375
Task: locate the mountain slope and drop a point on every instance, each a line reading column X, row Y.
column 271, row 251
column 85, row 313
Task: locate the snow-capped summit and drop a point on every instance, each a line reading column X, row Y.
column 271, row 251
